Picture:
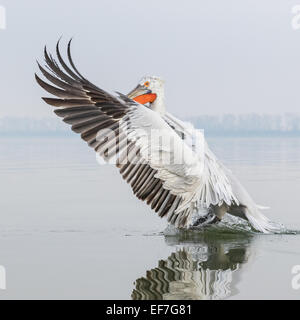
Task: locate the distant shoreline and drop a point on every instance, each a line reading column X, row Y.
column 225, row 125
column 72, row 135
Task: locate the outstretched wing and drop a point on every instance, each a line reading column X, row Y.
column 161, row 169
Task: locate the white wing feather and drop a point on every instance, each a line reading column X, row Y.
column 176, row 163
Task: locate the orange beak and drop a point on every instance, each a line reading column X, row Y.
column 142, row 95
column 145, row 98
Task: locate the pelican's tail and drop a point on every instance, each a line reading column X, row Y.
column 250, row 210
column 259, row 221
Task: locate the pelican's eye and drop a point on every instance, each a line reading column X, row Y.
column 146, row 84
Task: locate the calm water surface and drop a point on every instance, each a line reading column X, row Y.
column 70, row 228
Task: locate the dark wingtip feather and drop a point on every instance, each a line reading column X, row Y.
column 57, row 44
column 39, row 80
column 71, row 60
column 48, row 101
column 46, row 56
column 65, row 94
column 57, row 48
column 45, row 51
column 64, row 65
column 36, row 77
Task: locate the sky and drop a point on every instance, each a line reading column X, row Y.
column 216, row 56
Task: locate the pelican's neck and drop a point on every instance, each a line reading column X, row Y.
column 159, row 104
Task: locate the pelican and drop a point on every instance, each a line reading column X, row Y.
column 197, row 190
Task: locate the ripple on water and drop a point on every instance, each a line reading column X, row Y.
column 229, row 226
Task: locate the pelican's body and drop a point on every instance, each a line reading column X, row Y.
column 194, row 190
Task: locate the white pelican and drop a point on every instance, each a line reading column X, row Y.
column 175, row 190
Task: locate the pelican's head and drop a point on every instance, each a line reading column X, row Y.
column 149, row 90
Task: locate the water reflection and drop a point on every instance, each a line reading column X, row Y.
column 202, row 266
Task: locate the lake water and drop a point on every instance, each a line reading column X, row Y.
column 71, row 229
